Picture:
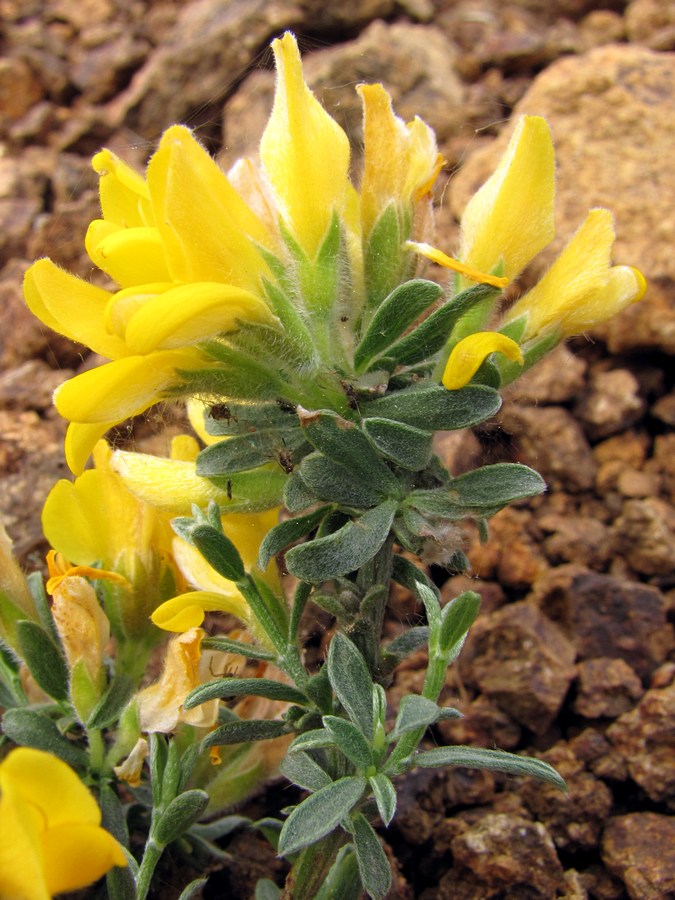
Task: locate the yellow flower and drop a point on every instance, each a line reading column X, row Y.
column 510, row 218
column 131, row 769
column 160, row 706
column 401, row 161
column 582, row 288
column 51, row 840
column 304, row 152
column 215, row 593
column 81, row 623
column 469, row 353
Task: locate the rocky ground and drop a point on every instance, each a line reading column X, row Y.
column 574, row 655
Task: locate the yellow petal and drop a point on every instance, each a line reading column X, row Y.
column 71, row 307
column 130, row 770
column 126, row 387
column 209, row 233
column 129, row 255
column 81, row 623
column 191, row 313
column 187, row 610
column 510, row 219
column 125, row 198
column 77, row 854
column 304, row 152
column 196, row 409
column 581, row 289
column 468, row 355
column 80, row 441
column 401, row 161
column 21, row 872
column 448, row 262
column 184, row 448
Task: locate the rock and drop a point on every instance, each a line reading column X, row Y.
column 22, row 335
column 511, row 554
column 509, row 857
column 30, row 385
column 630, row 447
column 574, row 820
column 19, row 89
column 558, row 378
column 576, row 538
column 663, row 463
column 522, row 661
column 644, row 738
column 601, row 26
column 664, row 409
column 605, row 616
column 638, row 848
column 610, row 116
column 645, row 535
column 483, row 725
column 611, row 404
column 344, row 16
column 459, row 451
column 651, row 23
column 205, row 54
column 102, row 71
column 606, row 687
column 552, row 441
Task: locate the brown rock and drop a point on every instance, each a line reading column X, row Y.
column 350, row 15
column 632, row 483
column 601, row 26
column 19, row 89
column 645, row 536
column 630, row 448
column 574, row 820
column 606, row 687
column 552, row 441
column 663, row 463
column 483, row 725
column 556, row 379
column 30, row 385
column 102, row 71
column 522, row 661
column 578, row 539
column 664, row 409
column 459, row 451
column 607, row 617
column 610, row 114
column 652, row 23
column 510, row 855
column 511, row 554
column 644, row 738
column 638, row 848
column 612, row 403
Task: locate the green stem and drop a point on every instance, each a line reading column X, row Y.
column 151, row 857
column 96, row 750
column 311, row 868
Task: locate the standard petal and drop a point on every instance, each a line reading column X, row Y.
column 21, row 873
column 129, row 256
column 75, row 855
column 80, row 441
column 125, row 198
column 208, row 231
column 468, row 355
column 191, row 313
column 71, row 306
column 304, row 152
column 510, row 219
column 126, row 387
column 187, row 610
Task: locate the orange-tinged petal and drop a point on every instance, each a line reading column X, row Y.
column 75, row 855
column 126, row 387
column 187, row 610
column 191, row 313
column 129, row 255
column 510, row 218
column 455, row 265
column 71, row 306
column 208, row 231
column 304, row 152
column 468, row 355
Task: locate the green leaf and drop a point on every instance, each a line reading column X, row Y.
column 408, row 642
column 179, row 815
column 383, row 256
column 334, row 484
column 193, row 890
column 159, row 752
column 43, row 658
column 408, row 447
column 120, row 884
column 243, row 687
column 109, row 707
column 345, row 550
column 385, row 796
column 30, row 728
column 316, row 739
column 213, row 831
column 248, row 451
column 430, row 336
column 229, row 419
column 456, row 619
column 373, row 863
column 219, row 551
column 302, row 770
column 320, row 814
column 431, row 407
column 351, row 681
column 297, row 495
column 399, row 310
column 252, row 491
column 350, row 740
column 344, row 444
column 266, row 889
column 113, row 818
column 288, row 532
column 494, row 760
column 414, row 712
column 227, row 645
column 481, row 492
column 244, row 731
